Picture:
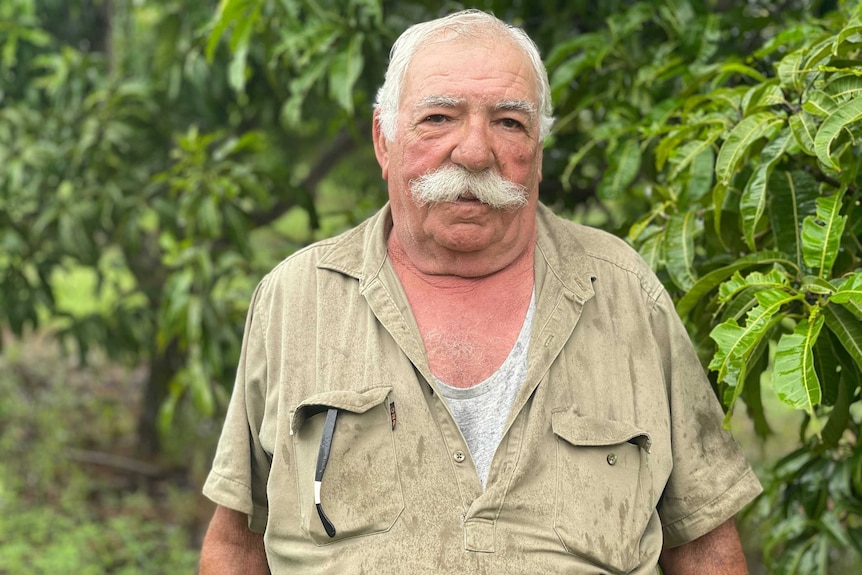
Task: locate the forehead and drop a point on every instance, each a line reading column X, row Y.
column 489, row 68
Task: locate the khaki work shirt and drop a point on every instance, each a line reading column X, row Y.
column 614, row 444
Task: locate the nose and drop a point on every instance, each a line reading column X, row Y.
column 473, row 150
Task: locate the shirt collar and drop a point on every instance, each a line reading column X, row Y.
column 361, row 252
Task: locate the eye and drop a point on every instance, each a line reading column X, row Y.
column 436, row 119
column 511, row 123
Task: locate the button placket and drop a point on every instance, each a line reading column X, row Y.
column 470, row 487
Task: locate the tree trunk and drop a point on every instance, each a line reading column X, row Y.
column 162, row 368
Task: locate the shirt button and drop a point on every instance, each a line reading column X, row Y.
column 612, row 458
column 459, row 456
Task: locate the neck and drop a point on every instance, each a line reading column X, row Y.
column 468, row 324
column 462, row 270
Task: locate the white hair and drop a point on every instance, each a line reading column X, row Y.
column 455, row 25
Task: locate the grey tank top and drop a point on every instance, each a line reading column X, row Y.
column 481, row 411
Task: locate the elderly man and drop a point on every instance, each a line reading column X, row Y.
column 466, row 383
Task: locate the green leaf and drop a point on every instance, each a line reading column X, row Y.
column 845, row 115
column 686, row 154
column 828, row 366
column 237, row 69
column 200, row 388
column 563, row 75
column 568, row 47
column 732, row 68
column 710, row 281
column 167, row 412
column 850, row 290
column 816, row 285
column 816, row 53
column 786, row 38
column 650, row 249
column 679, row 248
column 842, row 67
column 209, row 219
column 774, row 279
column 640, row 226
column 243, row 15
column 753, row 201
column 789, row 71
column 804, row 129
column 624, row 23
column 763, row 95
column 844, row 88
column 793, row 198
column 819, row 103
column 700, row 177
column 622, row 170
column 226, row 13
column 719, row 195
column 735, row 343
column 731, row 287
column 292, row 109
column 794, row 377
column 753, row 398
column 853, row 28
column 345, row 70
column 194, row 327
column 683, row 144
column 756, row 360
column 738, row 307
column 846, row 328
column 821, row 234
column 740, row 140
column 245, row 24
column 574, row 160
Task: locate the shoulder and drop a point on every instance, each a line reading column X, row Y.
column 575, row 245
column 330, row 265
column 347, row 254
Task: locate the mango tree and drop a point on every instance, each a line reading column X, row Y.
column 745, row 168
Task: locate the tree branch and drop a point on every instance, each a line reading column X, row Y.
column 126, row 464
column 342, row 145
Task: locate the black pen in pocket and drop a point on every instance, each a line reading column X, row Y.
column 322, row 459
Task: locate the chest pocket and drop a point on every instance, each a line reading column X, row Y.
column 360, row 488
column 603, row 489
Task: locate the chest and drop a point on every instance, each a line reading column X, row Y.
column 468, row 334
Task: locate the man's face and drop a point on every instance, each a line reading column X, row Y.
column 468, row 103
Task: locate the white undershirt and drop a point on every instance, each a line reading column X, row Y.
column 481, row 410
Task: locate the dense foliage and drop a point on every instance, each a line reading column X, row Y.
column 161, row 155
column 133, row 171
column 739, row 179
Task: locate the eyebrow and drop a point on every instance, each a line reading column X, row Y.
column 515, row 106
column 438, row 102
column 450, row 102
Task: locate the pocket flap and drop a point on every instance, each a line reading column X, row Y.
column 352, row 401
column 596, row 432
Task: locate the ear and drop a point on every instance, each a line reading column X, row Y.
column 381, row 146
column 539, row 162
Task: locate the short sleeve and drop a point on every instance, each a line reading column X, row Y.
column 238, row 477
column 711, row 480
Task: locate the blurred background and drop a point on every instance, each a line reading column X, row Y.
column 157, row 157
